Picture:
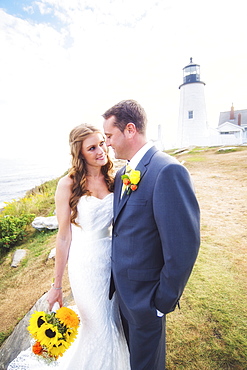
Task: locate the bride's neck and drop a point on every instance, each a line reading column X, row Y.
column 94, row 172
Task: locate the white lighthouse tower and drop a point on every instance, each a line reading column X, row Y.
column 192, row 122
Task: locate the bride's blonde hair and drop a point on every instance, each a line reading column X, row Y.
column 78, row 169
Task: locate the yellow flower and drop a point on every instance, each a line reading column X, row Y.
column 134, row 177
column 70, row 335
column 48, row 335
column 36, row 321
column 68, row 317
column 58, row 349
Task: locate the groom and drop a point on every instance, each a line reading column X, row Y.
column 156, row 234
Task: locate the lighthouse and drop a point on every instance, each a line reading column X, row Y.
column 192, row 122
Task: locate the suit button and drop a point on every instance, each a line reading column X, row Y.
column 115, row 235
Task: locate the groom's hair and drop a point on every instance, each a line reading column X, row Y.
column 127, row 111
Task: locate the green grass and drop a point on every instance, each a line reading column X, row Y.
column 196, row 158
column 209, row 332
column 35, row 245
column 4, row 335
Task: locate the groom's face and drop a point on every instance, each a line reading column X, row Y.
column 115, row 138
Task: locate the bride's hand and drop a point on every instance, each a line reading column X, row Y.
column 55, row 295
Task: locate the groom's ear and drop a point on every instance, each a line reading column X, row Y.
column 130, row 129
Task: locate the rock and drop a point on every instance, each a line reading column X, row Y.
column 50, row 223
column 18, row 256
column 52, row 253
column 227, row 148
column 181, row 150
column 20, row 338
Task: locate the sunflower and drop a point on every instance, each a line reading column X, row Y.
column 70, row 335
column 58, row 349
column 48, row 335
column 68, row 317
column 36, row 321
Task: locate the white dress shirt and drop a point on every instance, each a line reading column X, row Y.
column 140, row 154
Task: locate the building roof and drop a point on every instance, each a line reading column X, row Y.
column 229, row 127
column 225, row 117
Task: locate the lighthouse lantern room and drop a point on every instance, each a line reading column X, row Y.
column 191, row 72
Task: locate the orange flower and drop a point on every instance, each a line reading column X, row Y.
column 133, row 187
column 37, row 348
column 126, row 181
column 68, row 317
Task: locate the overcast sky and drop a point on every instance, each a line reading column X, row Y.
column 64, row 62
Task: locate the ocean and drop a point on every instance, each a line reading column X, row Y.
column 17, row 176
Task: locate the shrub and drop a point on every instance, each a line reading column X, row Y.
column 12, row 229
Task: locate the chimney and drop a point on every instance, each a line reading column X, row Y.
column 239, row 119
column 232, row 112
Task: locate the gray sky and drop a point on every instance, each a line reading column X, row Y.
column 65, row 62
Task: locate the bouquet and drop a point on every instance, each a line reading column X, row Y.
column 53, row 332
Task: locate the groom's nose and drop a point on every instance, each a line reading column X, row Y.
column 107, row 141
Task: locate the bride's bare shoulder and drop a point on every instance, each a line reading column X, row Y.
column 65, row 183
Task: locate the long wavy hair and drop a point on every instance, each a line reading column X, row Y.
column 78, row 169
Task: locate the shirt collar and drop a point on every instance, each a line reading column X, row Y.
column 140, row 154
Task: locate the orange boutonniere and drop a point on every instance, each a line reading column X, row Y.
column 130, row 180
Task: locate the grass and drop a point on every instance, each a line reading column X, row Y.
column 5, row 335
column 210, row 330
column 196, row 158
column 37, row 245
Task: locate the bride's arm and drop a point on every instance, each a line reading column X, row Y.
column 63, row 239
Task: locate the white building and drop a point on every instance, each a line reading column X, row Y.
column 232, row 127
column 192, row 122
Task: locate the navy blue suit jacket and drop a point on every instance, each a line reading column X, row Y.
column 156, row 237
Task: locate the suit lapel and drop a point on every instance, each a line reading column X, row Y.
column 142, row 167
column 121, row 203
column 118, row 189
column 118, row 201
column 144, row 162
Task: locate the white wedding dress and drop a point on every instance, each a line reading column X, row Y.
column 100, row 344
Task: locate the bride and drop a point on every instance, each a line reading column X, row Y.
column 84, row 208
